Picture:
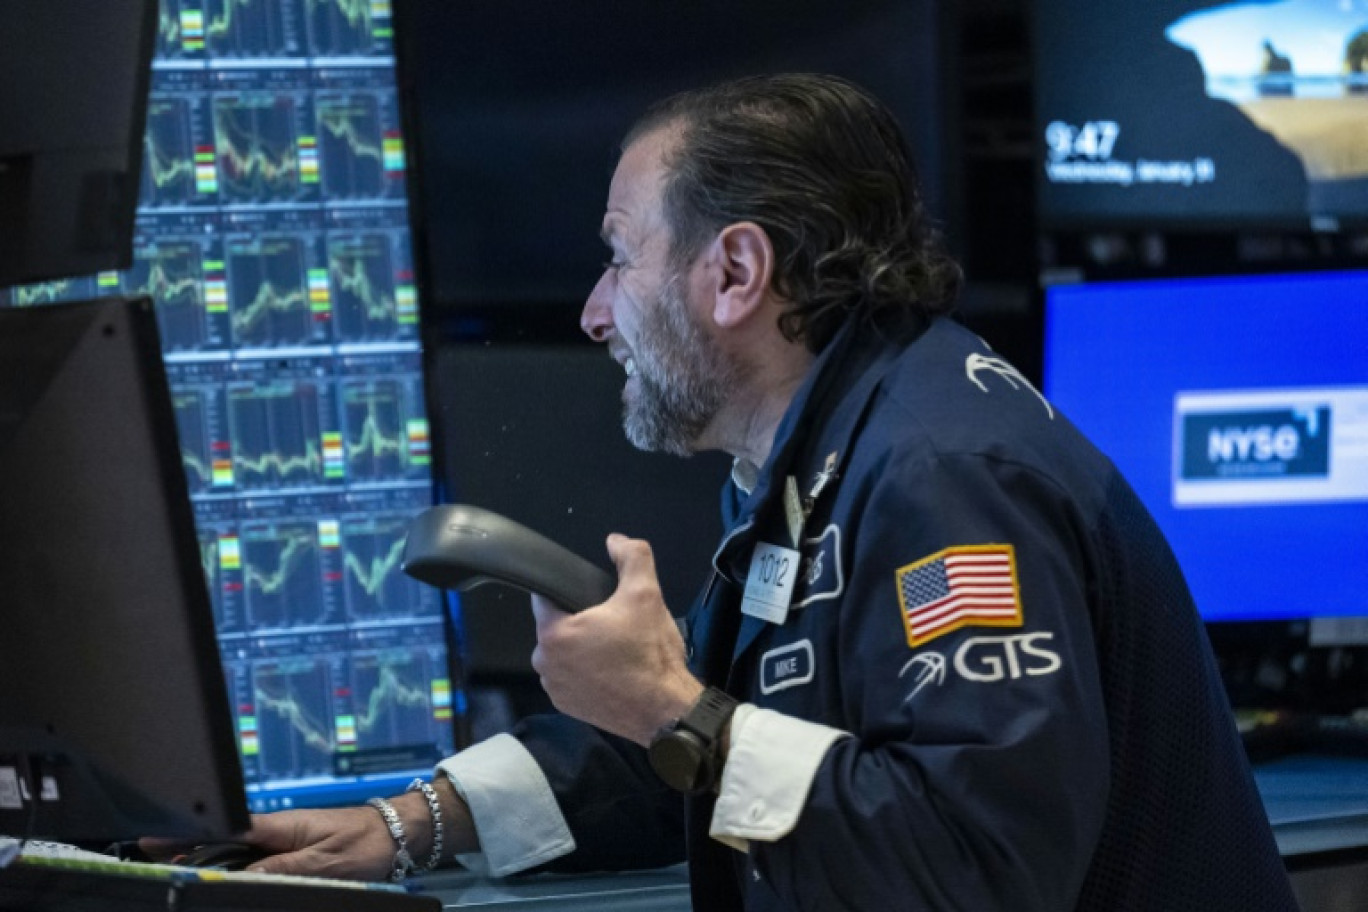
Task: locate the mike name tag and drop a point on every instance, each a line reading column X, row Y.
column 785, row 667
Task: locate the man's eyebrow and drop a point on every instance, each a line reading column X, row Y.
column 611, row 228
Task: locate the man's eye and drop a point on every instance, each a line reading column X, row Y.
column 613, row 264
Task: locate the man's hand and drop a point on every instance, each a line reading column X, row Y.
column 619, row 666
column 347, row 843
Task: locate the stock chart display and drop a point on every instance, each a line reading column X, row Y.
column 273, row 235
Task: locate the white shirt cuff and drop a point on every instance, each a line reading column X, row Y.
column 515, row 813
column 769, row 771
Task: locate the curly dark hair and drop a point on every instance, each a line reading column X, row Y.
column 823, row 168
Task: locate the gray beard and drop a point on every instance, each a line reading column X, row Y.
column 681, row 378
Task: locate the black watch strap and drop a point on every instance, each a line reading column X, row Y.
column 686, row 754
column 709, row 715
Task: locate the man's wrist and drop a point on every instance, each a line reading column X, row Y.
column 402, row 863
column 688, row 753
column 673, row 707
column 459, row 836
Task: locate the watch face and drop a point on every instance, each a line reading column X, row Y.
column 681, row 760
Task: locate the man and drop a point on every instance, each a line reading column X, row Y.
column 945, row 659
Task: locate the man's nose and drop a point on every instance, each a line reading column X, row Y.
column 597, row 317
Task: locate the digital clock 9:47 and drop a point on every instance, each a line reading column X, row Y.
column 1094, row 139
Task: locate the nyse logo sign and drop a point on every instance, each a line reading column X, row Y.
column 1249, row 447
column 1261, row 443
column 985, row 660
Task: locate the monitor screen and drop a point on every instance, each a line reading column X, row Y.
column 73, row 98
column 1193, row 113
column 114, row 719
column 273, row 235
column 1238, row 409
column 518, row 107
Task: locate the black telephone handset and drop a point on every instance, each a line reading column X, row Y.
column 457, row 546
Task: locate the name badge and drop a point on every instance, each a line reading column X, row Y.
column 769, row 588
column 785, row 667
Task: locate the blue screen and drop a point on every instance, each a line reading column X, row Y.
column 1238, row 410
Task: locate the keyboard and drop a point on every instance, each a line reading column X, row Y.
column 68, row 881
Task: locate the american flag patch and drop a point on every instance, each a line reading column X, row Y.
column 971, row 585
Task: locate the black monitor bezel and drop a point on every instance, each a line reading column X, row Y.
column 54, row 723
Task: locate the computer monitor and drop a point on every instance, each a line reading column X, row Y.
column 1238, row 409
column 73, row 102
column 114, row 714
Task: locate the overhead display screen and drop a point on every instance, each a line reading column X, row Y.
column 1198, row 114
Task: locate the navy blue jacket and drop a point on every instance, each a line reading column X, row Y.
column 1050, row 736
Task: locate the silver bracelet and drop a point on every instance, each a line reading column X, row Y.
column 403, row 861
column 418, row 785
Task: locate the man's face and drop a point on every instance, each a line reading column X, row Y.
column 678, row 378
column 644, row 309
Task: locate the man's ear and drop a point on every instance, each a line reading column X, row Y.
column 744, row 258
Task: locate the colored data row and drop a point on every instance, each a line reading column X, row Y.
column 246, row 29
column 343, row 708
column 263, row 280
column 254, row 427
column 246, row 137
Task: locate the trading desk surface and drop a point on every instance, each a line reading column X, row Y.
column 1316, row 804
column 663, row 890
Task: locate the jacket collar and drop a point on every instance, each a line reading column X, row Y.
column 818, row 426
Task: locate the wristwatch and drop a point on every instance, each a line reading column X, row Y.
column 686, row 753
